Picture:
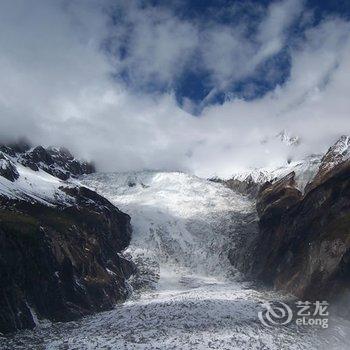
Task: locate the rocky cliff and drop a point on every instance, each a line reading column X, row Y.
column 59, row 242
column 249, row 182
column 303, row 245
column 58, row 162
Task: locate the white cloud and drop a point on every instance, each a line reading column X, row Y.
column 272, row 30
column 160, row 45
column 56, row 87
column 231, row 56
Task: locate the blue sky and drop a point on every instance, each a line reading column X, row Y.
column 198, row 86
column 194, row 81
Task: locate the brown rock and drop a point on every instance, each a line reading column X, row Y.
column 304, row 243
column 61, row 262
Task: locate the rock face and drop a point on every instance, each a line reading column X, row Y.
column 246, row 186
column 8, row 169
column 58, row 261
column 337, row 155
column 303, row 245
column 277, row 197
column 58, row 162
column 249, row 182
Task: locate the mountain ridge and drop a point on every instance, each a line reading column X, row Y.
column 61, row 243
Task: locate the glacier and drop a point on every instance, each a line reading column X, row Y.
column 187, row 294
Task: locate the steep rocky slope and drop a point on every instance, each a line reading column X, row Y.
column 249, row 182
column 59, row 241
column 303, row 246
column 58, row 162
column 335, row 158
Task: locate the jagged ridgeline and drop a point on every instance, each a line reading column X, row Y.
column 303, row 245
column 58, row 162
column 59, row 241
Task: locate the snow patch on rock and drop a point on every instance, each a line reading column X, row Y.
column 305, row 171
column 35, row 186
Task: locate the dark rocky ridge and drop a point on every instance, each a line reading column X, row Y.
column 303, row 244
column 8, row 169
column 58, row 162
column 59, row 261
column 335, row 156
column 247, row 186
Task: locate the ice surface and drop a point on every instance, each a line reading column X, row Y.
column 180, row 220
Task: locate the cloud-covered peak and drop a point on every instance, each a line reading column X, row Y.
column 141, row 85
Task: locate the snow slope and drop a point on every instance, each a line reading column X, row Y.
column 36, row 174
column 183, row 226
column 34, row 186
column 305, row 170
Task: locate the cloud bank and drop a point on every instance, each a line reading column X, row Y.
column 100, row 78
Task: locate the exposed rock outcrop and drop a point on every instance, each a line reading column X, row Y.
column 60, row 263
column 8, row 169
column 58, row 162
column 60, row 243
column 277, row 196
column 303, row 246
column 249, row 182
column 331, row 162
column 247, row 186
column 13, row 148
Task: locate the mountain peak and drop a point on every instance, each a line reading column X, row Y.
column 332, row 161
column 37, row 173
column 336, row 154
column 287, row 139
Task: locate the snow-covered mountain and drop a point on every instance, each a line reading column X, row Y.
column 183, row 227
column 284, row 137
column 61, row 243
column 306, row 170
column 32, row 185
column 338, row 153
column 186, row 292
column 38, row 174
column 303, row 246
column 287, row 139
column 335, row 157
column 58, row 162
